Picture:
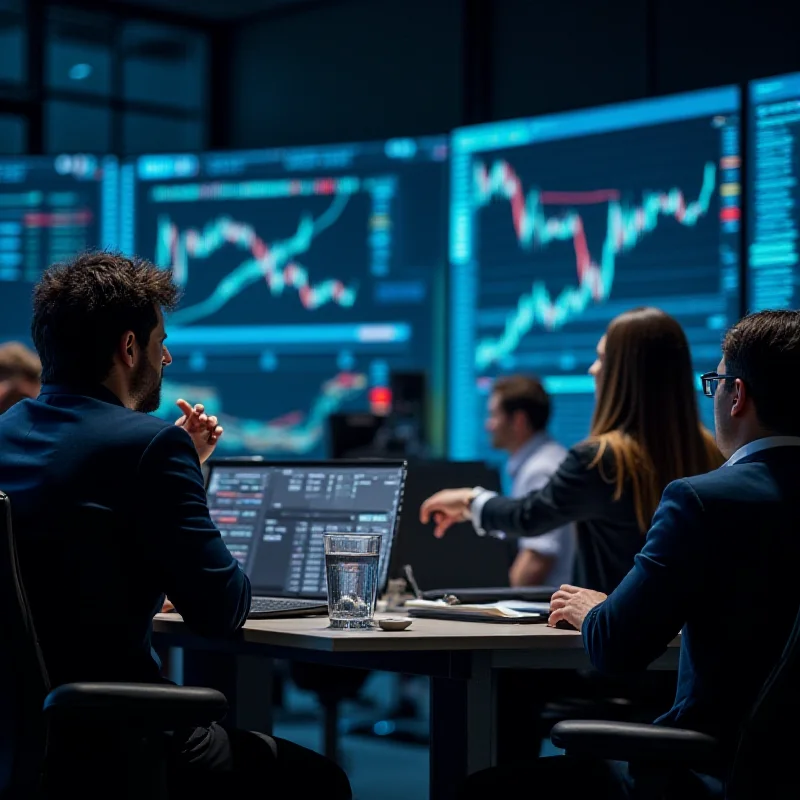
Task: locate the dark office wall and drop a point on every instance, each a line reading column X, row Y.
column 713, row 42
column 550, row 56
column 355, row 69
column 347, row 70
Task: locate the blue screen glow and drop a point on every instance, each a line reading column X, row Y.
column 774, row 195
column 560, row 223
column 51, row 207
column 308, row 276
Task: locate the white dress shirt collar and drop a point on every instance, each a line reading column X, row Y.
column 758, row 445
column 516, row 461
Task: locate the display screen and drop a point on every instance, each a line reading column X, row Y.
column 272, row 518
column 560, row 223
column 773, row 175
column 308, row 275
column 51, row 208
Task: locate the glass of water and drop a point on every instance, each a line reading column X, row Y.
column 351, row 565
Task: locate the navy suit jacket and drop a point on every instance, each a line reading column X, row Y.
column 720, row 562
column 109, row 513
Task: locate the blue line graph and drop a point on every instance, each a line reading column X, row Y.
column 272, row 263
column 296, row 431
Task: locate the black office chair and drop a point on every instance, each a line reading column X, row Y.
column 763, row 763
column 94, row 740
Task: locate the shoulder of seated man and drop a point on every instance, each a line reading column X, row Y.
column 122, row 427
column 727, row 484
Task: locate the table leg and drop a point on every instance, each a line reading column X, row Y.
column 463, row 727
column 246, row 680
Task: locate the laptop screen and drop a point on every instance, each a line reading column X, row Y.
column 272, row 516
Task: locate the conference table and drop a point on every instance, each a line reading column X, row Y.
column 462, row 660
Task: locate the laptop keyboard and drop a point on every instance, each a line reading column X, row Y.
column 264, row 604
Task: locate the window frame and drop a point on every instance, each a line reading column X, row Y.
column 29, row 98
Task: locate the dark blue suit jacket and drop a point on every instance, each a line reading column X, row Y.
column 720, row 562
column 109, row 511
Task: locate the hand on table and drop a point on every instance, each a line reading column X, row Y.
column 446, row 508
column 572, row 604
column 203, row 429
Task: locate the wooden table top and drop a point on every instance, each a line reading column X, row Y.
column 313, row 633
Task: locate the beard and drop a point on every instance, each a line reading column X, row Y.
column 146, row 387
column 499, row 441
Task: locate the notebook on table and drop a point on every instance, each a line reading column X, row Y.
column 478, row 612
column 272, row 516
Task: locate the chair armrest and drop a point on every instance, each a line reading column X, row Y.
column 628, row 741
column 141, row 705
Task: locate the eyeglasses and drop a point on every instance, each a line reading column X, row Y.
column 711, row 381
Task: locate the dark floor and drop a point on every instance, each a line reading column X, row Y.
column 379, row 767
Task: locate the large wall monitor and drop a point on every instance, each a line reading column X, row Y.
column 51, row 207
column 774, row 194
column 559, row 223
column 309, row 275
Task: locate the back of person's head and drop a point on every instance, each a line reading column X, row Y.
column 526, row 395
column 20, row 374
column 83, row 307
column 646, row 409
column 18, row 361
column 763, row 350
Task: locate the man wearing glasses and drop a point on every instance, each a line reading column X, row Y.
column 719, row 564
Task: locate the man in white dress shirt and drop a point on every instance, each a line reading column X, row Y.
column 518, row 413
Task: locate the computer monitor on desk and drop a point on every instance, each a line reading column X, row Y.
column 462, row 558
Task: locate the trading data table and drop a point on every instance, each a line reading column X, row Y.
column 272, row 518
column 51, row 207
column 774, row 193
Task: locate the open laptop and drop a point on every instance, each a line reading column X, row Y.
column 461, row 558
column 272, row 516
column 472, row 568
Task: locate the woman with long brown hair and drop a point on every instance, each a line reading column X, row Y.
column 645, row 432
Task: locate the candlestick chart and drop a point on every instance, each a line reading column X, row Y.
column 626, row 226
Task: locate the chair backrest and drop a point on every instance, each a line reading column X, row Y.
column 23, row 678
column 764, row 762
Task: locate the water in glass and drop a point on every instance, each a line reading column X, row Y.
column 352, row 578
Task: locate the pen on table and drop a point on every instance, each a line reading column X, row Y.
column 450, row 599
column 409, row 573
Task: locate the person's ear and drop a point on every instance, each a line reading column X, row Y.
column 741, row 398
column 128, row 349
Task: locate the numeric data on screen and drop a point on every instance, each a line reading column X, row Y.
column 51, row 209
column 774, row 194
column 273, row 518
